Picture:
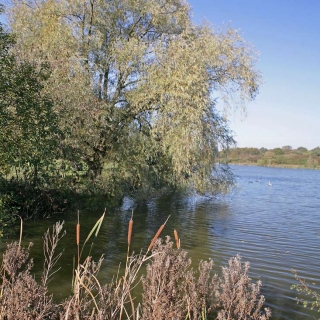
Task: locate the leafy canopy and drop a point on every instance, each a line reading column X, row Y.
column 135, row 84
column 28, row 125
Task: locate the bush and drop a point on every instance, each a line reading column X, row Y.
column 304, row 287
column 7, row 217
column 22, row 297
column 21, row 199
column 173, row 290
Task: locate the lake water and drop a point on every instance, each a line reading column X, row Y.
column 276, row 228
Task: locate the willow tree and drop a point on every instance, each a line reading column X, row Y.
column 135, row 84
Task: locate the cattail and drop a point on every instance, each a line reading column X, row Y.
column 78, row 233
column 157, row 235
column 130, row 231
column 176, row 238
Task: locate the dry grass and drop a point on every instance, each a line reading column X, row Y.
column 171, row 288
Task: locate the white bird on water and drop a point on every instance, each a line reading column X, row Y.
column 269, row 184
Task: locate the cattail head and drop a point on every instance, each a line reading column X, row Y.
column 130, row 231
column 176, row 237
column 78, row 234
column 155, row 237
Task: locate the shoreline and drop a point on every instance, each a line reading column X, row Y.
column 284, row 166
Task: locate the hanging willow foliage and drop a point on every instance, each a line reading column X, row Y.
column 135, row 85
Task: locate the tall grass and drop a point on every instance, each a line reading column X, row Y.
column 171, row 288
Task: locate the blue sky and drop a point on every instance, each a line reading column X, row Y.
column 287, row 35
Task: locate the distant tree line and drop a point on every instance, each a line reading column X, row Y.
column 285, row 156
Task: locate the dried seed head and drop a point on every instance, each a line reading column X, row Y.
column 78, row 234
column 155, row 237
column 130, row 231
column 176, row 237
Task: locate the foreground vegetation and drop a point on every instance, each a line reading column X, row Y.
column 113, row 98
column 281, row 157
column 171, row 289
column 305, row 288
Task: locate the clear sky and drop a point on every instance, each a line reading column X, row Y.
column 287, row 35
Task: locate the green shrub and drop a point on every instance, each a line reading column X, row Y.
column 20, row 199
column 304, row 287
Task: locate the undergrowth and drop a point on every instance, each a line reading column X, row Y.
column 171, row 288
